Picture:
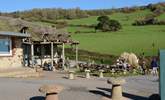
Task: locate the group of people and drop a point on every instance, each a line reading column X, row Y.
column 59, row 63
column 153, row 66
column 122, row 64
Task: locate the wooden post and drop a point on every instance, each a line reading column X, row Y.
column 77, row 57
column 52, row 54
column 63, row 56
column 32, row 54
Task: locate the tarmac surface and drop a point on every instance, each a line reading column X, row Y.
column 136, row 87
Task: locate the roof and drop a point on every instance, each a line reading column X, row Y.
column 38, row 32
column 16, row 34
column 56, row 35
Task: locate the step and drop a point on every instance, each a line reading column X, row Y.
column 29, row 75
column 22, row 72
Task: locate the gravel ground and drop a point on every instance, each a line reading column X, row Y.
column 136, row 87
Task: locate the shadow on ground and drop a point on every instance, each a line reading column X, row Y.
column 37, row 98
column 65, row 77
column 102, row 92
column 80, row 76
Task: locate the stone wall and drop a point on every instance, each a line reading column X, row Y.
column 16, row 60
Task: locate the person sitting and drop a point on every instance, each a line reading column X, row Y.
column 144, row 67
column 47, row 66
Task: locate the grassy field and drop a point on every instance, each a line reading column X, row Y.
column 137, row 39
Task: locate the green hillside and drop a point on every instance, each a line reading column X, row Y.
column 135, row 39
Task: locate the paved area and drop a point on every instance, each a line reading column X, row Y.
column 136, row 88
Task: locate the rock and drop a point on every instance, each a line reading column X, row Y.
column 131, row 58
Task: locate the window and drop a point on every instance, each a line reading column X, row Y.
column 5, row 47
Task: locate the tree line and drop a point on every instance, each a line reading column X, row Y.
column 52, row 14
column 151, row 19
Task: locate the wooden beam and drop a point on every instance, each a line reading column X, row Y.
column 45, row 42
column 58, row 43
column 27, row 43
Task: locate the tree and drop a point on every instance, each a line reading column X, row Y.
column 105, row 24
column 114, row 25
column 103, row 18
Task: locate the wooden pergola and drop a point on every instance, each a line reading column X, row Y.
column 46, row 39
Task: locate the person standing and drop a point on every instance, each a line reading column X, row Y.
column 154, row 66
column 143, row 66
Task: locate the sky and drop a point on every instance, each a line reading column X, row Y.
column 20, row 5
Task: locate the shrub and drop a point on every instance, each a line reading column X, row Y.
column 148, row 21
column 162, row 22
column 61, row 24
column 129, row 10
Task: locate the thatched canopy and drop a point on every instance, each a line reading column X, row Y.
column 51, row 34
column 39, row 32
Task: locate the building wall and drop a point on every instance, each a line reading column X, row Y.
column 16, row 60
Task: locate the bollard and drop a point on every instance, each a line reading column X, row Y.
column 87, row 73
column 51, row 91
column 134, row 71
column 101, row 73
column 113, row 71
column 116, row 88
column 71, row 75
column 124, row 71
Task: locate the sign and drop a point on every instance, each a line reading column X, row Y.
column 162, row 75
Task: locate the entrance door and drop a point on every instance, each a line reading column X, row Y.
column 26, row 54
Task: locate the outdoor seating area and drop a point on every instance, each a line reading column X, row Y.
column 52, row 55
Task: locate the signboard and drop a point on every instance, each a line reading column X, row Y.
column 162, row 74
